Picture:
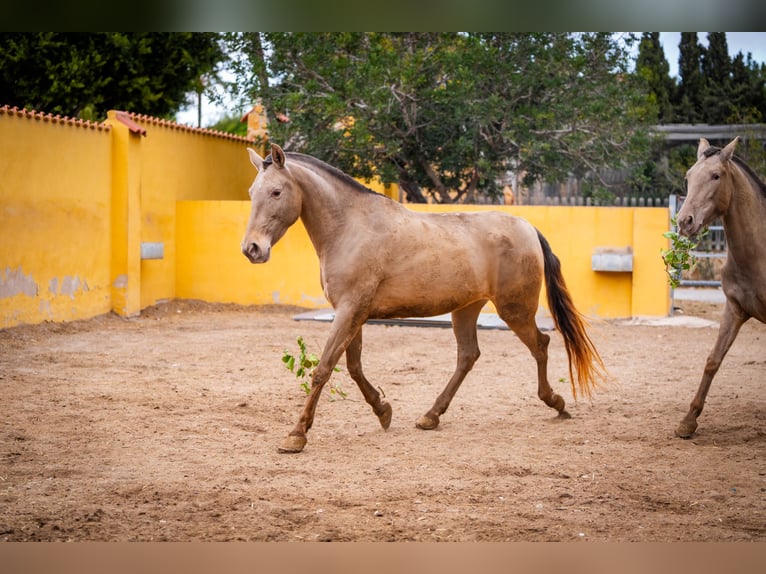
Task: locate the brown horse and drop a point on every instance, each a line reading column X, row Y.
column 720, row 184
column 380, row 260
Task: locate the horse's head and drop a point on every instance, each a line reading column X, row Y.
column 708, row 187
column 276, row 204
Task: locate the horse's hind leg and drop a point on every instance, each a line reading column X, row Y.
column 731, row 322
column 522, row 322
column 354, row 365
column 464, row 327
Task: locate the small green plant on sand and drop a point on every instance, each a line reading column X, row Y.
column 303, row 365
column 679, row 256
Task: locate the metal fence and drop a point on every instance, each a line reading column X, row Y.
column 595, row 201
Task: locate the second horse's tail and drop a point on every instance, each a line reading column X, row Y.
column 583, row 356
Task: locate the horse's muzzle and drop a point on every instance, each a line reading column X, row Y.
column 255, row 253
column 685, row 225
column 688, row 225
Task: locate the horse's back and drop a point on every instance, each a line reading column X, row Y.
column 435, row 263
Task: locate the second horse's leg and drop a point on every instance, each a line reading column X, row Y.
column 731, row 321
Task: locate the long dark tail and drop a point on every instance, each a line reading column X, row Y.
column 571, row 324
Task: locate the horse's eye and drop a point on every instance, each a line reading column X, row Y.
column 275, row 193
column 716, row 177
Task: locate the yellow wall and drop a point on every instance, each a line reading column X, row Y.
column 181, row 164
column 211, row 267
column 54, row 219
column 78, row 200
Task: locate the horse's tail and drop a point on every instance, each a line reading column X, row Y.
column 571, row 324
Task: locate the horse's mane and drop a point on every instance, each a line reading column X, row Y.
column 318, row 163
column 759, row 183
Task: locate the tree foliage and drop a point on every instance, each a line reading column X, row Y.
column 691, row 91
column 712, row 88
column 86, row 74
column 452, row 114
column 653, row 68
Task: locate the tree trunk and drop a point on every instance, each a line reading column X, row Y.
column 412, row 191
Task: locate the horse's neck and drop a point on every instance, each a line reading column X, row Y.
column 745, row 222
column 324, row 212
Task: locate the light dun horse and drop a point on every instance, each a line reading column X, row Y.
column 720, row 184
column 380, row 260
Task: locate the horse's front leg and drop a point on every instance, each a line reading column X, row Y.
column 380, row 407
column 733, row 318
column 343, row 329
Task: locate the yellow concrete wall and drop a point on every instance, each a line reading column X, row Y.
column 650, row 289
column 210, row 266
column 78, row 199
column 55, row 246
column 178, row 163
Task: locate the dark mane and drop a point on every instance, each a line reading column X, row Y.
column 334, row 171
column 713, row 150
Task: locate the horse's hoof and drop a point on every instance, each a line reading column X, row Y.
column 385, row 416
column 427, row 422
column 686, row 429
column 563, row 415
column 559, row 404
column 293, row 443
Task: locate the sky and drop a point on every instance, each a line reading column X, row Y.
column 753, row 42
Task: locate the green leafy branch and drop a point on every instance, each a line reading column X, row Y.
column 679, row 256
column 303, row 365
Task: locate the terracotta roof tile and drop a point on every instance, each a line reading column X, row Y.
column 144, row 119
column 124, row 118
column 134, row 121
column 56, row 119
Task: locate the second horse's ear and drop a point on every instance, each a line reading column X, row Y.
column 728, row 151
column 278, row 156
column 704, row 144
column 255, row 159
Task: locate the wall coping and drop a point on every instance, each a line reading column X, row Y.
column 151, row 120
column 56, row 119
column 127, row 118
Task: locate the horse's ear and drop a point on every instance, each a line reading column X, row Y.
column 704, row 144
column 728, row 151
column 278, row 156
column 255, row 159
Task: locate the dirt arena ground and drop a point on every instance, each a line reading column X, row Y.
column 165, row 427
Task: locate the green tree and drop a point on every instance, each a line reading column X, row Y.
column 716, row 67
column 653, row 67
column 231, row 124
column 449, row 114
column 692, row 88
column 748, row 90
column 86, row 74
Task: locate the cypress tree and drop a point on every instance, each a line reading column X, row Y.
column 716, row 67
column 691, row 90
column 653, row 67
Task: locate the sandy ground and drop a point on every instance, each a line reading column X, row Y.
column 166, row 427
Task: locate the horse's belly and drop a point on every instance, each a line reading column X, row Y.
column 416, row 309
column 427, row 294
